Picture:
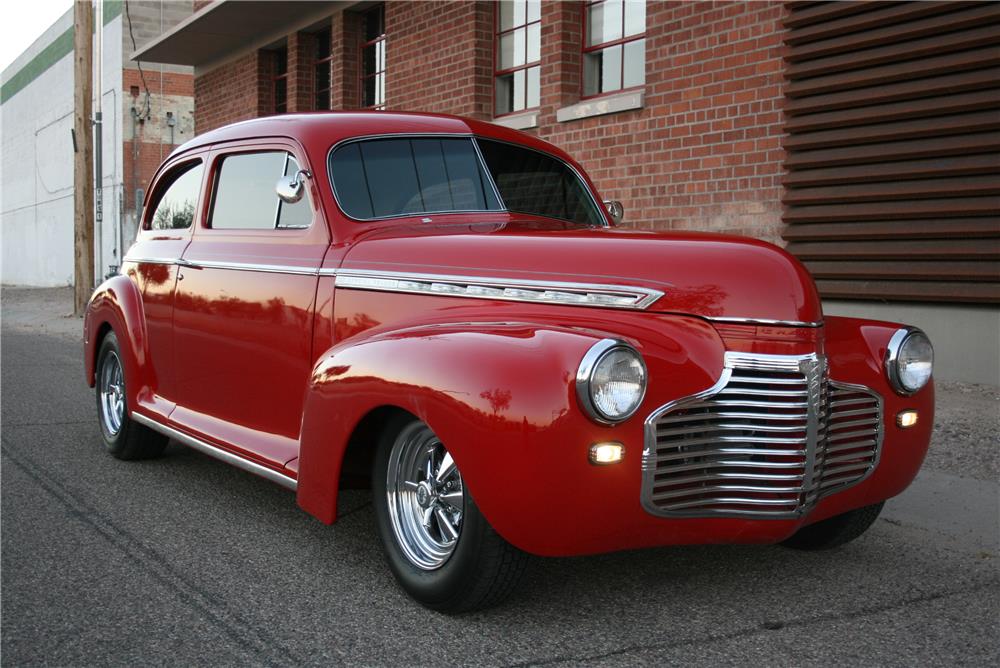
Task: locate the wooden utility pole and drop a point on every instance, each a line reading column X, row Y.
column 83, row 158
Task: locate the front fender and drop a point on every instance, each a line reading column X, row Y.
column 117, row 304
column 502, row 398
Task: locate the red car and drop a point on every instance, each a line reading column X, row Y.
column 444, row 308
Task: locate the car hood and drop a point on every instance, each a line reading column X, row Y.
column 699, row 274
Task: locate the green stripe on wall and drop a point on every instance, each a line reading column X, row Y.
column 51, row 54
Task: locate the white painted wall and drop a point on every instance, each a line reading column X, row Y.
column 36, row 166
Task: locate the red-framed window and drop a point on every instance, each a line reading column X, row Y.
column 372, row 83
column 279, row 82
column 614, row 46
column 322, row 72
column 517, row 53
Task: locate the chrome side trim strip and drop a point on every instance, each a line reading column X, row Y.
column 764, row 321
column 150, row 260
column 235, row 266
column 250, row 266
column 478, row 287
column 218, row 453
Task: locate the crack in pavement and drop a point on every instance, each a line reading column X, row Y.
column 248, row 637
column 764, row 628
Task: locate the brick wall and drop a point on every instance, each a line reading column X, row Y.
column 150, row 138
column 439, row 57
column 704, row 153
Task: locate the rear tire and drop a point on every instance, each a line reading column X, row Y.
column 835, row 531
column 123, row 437
column 416, row 490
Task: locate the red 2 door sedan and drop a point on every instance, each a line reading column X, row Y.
column 446, row 309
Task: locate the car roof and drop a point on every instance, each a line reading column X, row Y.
column 331, row 127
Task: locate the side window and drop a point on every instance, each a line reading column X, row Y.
column 398, row 177
column 175, row 208
column 244, row 197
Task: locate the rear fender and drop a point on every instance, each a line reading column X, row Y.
column 117, row 304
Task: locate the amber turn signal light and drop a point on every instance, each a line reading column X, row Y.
column 906, row 419
column 606, row 453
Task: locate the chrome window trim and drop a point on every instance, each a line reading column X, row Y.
column 891, row 360
column 765, row 321
column 531, row 291
column 482, row 164
column 585, row 372
column 218, row 453
column 766, row 362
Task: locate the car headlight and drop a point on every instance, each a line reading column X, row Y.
column 909, row 361
column 611, row 381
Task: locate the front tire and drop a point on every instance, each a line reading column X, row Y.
column 438, row 545
column 835, row 531
column 123, row 438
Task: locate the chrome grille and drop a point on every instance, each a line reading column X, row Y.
column 769, row 439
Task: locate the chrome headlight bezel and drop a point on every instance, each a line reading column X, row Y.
column 584, row 380
column 893, row 359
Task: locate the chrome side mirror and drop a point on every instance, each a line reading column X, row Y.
column 290, row 188
column 615, row 210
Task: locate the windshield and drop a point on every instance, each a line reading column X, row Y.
column 389, row 177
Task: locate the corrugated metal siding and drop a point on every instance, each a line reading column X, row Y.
column 893, row 121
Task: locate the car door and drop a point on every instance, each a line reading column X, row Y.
column 164, row 232
column 244, row 305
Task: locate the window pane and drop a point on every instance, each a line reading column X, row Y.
column 374, row 23
column 323, row 44
column 635, row 17
column 519, row 90
column 635, row 64
column 294, row 215
column 380, row 56
column 369, row 60
column 392, row 177
column 534, row 89
column 506, row 14
column 534, row 11
column 605, row 22
column 468, row 188
column 244, row 191
column 281, row 62
column 349, row 183
column 176, row 207
column 380, row 90
column 512, row 49
column 535, row 183
column 534, row 46
column 505, row 93
column 368, row 89
column 280, row 96
column 602, row 71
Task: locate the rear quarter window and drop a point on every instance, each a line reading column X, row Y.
column 177, row 198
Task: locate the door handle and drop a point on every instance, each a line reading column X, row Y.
column 187, row 264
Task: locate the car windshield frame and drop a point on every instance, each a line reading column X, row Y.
column 484, row 169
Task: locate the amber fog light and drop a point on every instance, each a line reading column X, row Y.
column 906, row 419
column 606, row 453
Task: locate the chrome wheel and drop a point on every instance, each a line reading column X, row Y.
column 112, row 391
column 425, row 497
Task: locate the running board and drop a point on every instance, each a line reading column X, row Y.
column 218, row 453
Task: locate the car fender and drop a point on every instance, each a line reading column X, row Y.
column 116, row 303
column 502, row 397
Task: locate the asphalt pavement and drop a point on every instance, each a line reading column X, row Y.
column 186, row 561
